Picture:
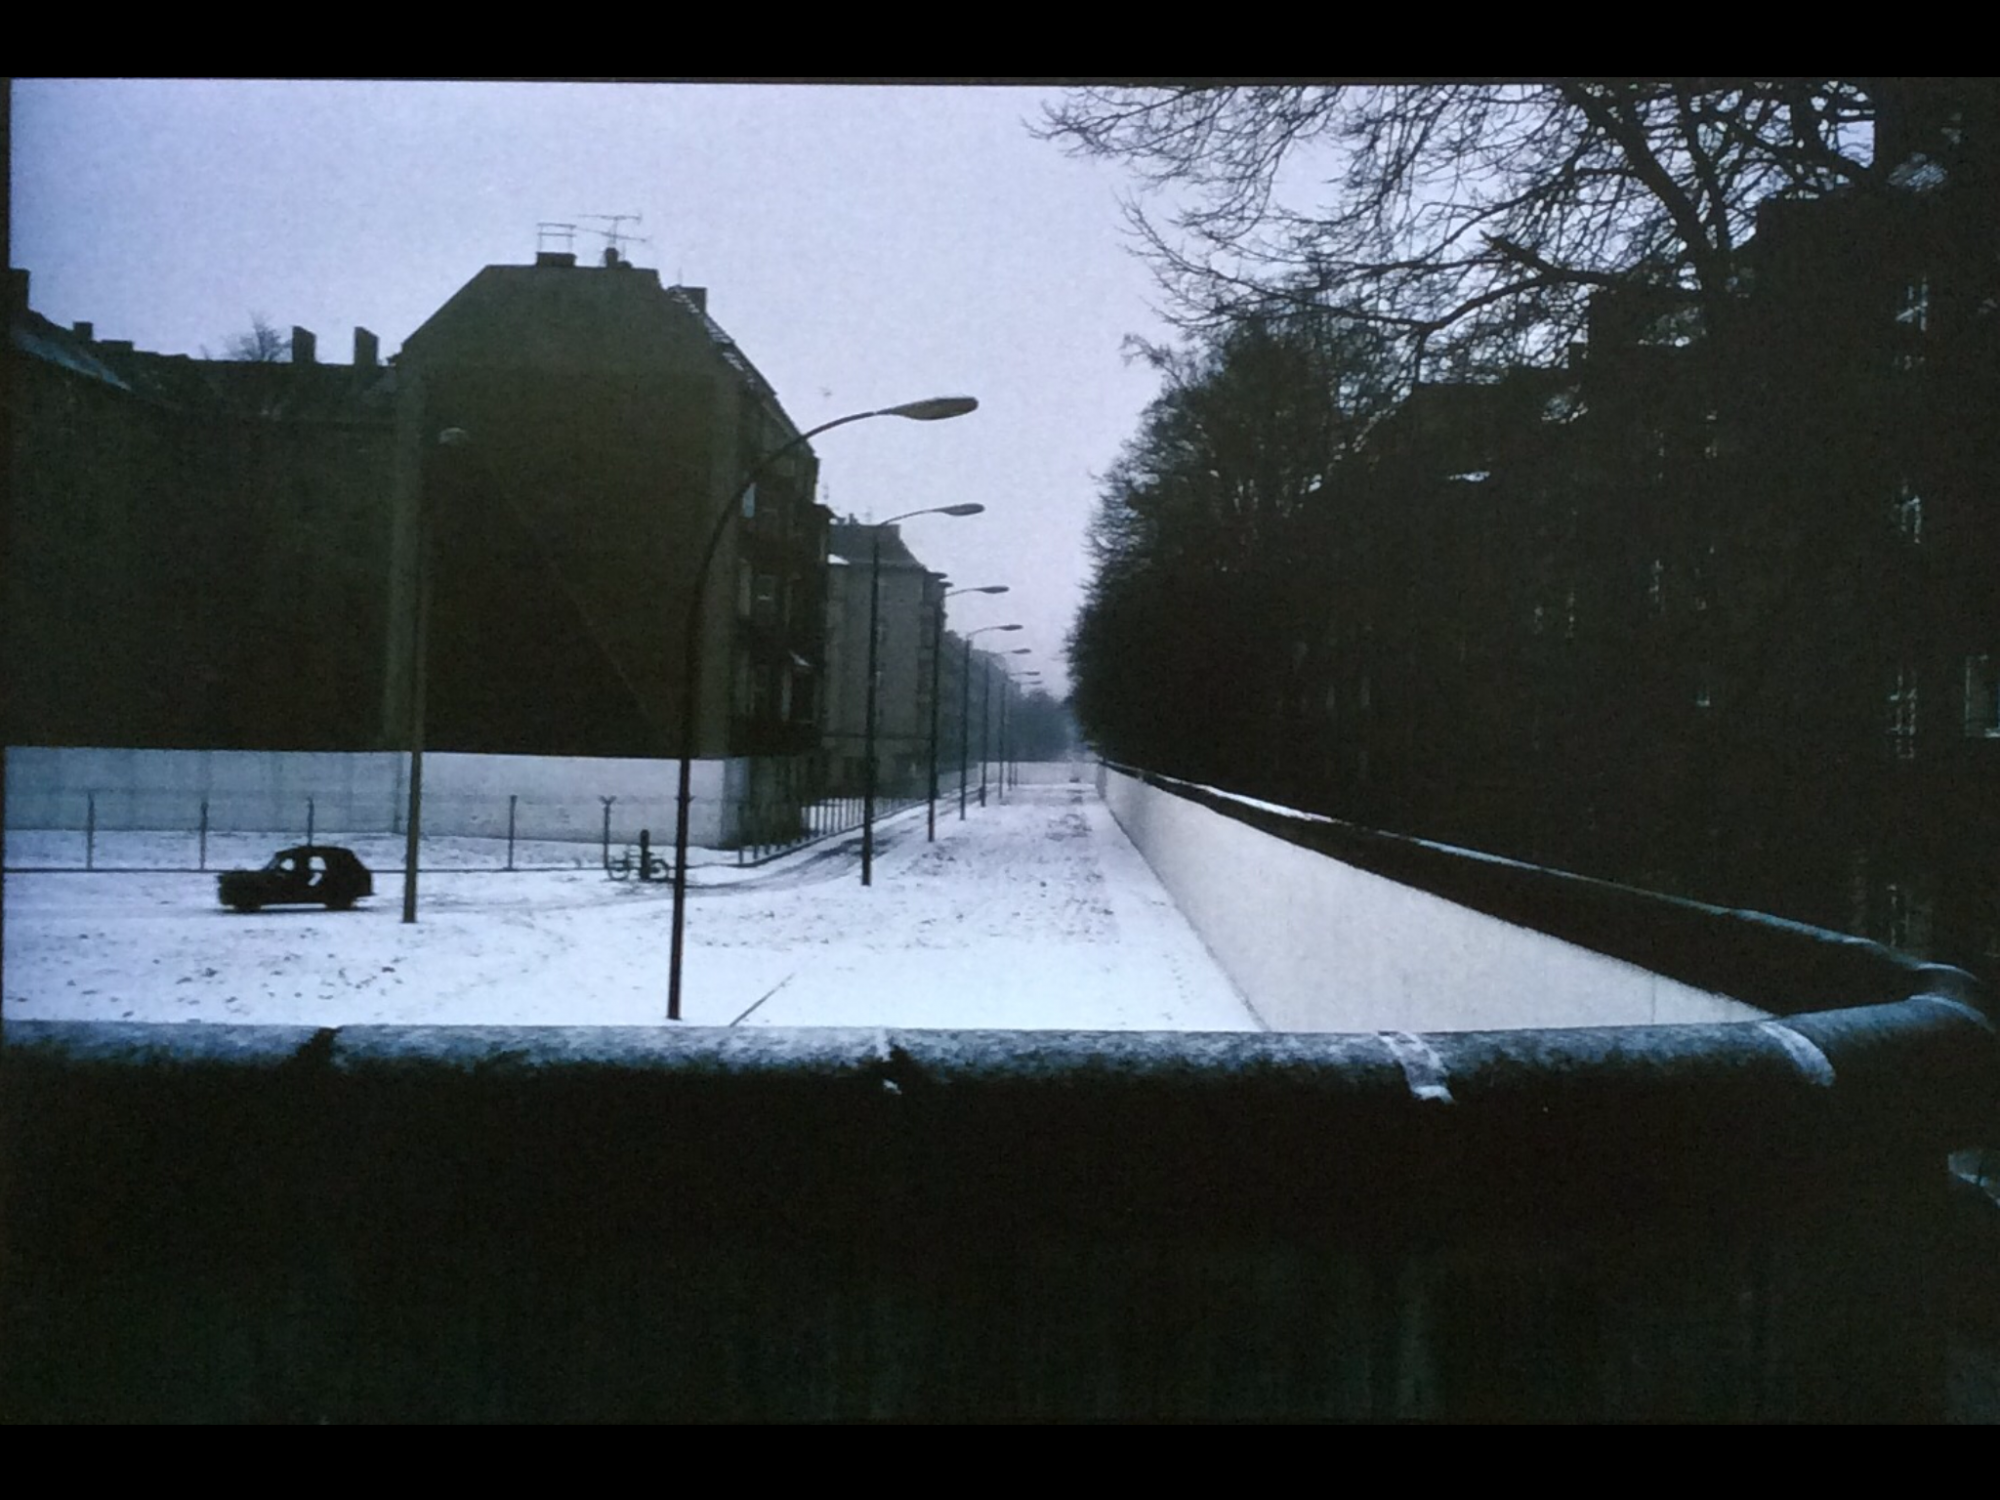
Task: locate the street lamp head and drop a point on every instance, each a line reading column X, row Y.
column 936, row 409
column 991, row 588
column 969, row 508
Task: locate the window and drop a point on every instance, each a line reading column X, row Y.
column 1896, row 901
column 1656, row 587
column 1563, row 406
column 1982, row 698
column 1914, row 310
column 1903, row 714
column 1908, row 513
column 1704, row 689
column 1913, row 321
column 1711, row 433
column 1907, row 916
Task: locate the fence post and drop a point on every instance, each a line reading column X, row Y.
column 607, row 801
column 309, row 820
column 201, row 861
column 90, row 831
column 512, row 798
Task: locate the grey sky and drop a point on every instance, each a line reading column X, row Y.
column 864, row 245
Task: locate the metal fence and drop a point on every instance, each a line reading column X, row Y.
column 162, row 833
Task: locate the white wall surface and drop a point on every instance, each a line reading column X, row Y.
column 363, row 792
column 1317, row 945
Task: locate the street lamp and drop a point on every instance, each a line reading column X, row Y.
column 1007, row 729
column 868, row 728
column 965, row 713
column 937, row 685
column 986, row 714
column 934, row 409
column 420, row 625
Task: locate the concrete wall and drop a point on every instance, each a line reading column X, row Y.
column 364, row 792
column 1315, row 944
column 269, row 1223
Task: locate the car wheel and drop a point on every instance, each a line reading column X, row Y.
column 245, row 906
column 339, row 903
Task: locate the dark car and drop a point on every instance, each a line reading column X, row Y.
column 309, row 875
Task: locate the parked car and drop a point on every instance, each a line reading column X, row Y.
column 308, row 875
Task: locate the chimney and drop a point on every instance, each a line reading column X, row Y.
column 555, row 257
column 85, row 331
column 367, row 349
column 305, row 347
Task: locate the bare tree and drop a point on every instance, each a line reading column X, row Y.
column 262, row 345
column 1473, row 220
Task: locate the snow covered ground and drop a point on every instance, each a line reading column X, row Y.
column 1035, row 914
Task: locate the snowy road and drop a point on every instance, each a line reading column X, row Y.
column 1036, row 914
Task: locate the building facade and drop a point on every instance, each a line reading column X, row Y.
column 198, row 550
column 220, row 554
column 905, row 608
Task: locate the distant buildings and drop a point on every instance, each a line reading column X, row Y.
column 224, row 554
column 198, row 550
column 906, row 677
column 609, row 422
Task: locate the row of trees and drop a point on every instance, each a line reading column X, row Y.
column 1458, row 229
column 1178, row 652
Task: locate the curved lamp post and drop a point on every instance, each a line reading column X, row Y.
column 937, row 683
column 935, row 409
column 1006, row 726
column 965, row 713
column 1009, row 769
column 986, row 713
column 868, row 727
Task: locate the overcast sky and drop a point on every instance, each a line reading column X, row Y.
column 865, row 245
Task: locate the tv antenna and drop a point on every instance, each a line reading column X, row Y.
column 614, row 237
column 564, row 236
